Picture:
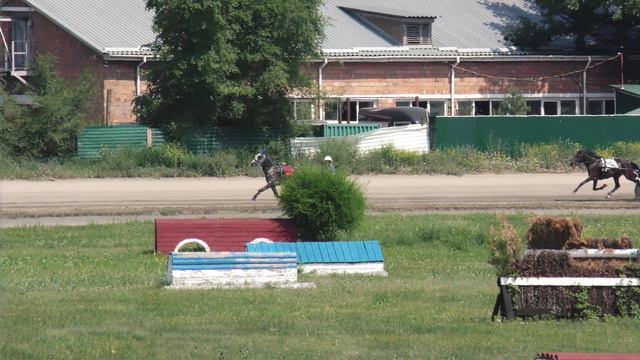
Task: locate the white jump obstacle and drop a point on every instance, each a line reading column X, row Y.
column 592, row 253
column 205, row 270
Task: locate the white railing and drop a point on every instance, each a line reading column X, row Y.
column 17, row 58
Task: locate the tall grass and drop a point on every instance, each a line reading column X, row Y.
column 172, row 161
column 95, row 292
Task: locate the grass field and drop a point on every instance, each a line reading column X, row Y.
column 95, row 292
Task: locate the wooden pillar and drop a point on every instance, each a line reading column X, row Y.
column 107, row 117
column 348, row 111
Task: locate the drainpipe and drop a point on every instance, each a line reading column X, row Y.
column 320, row 100
column 453, row 87
column 584, row 87
column 144, row 60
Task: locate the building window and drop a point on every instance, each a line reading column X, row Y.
column 534, row 107
column 331, row 108
column 600, row 107
column 350, row 112
column 418, row 34
column 464, row 108
column 567, row 107
column 550, row 107
column 434, row 107
column 303, row 110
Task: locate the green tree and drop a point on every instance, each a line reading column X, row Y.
column 592, row 24
column 513, row 104
column 50, row 126
column 228, row 62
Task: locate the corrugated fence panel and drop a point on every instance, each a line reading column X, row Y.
column 209, row 139
column 93, row 140
column 409, row 137
column 332, row 130
column 588, row 130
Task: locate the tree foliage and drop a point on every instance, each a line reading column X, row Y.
column 227, row 62
column 592, row 24
column 513, row 104
column 51, row 125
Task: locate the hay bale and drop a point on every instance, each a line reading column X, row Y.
column 554, row 233
column 607, row 243
column 560, row 264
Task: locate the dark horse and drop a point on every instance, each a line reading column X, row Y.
column 598, row 168
column 273, row 172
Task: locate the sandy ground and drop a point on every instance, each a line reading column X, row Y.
column 80, row 201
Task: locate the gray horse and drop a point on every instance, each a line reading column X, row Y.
column 273, row 172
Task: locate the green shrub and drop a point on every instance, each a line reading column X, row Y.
column 505, row 247
column 167, row 155
column 50, row 127
column 322, row 203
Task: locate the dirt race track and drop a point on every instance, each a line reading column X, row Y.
column 103, row 200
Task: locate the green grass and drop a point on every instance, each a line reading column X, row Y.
column 96, row 292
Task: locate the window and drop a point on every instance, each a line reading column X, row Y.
column 567, row 107
column 303, row 110
column 600, row 107
column 350, row 112
column 465, row 108
column 482, row 107
column 435, row 107
column 550, row 107
column 418, row 34
column 534, row 107
column 331, row 110
column 495, row 107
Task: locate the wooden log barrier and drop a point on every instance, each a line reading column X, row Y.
column 504, row 300
column 202, row 270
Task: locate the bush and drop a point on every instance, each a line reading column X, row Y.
column 321, row 203
column 50, row 127
column 505, row 247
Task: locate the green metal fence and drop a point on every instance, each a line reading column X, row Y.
column 93, row 140
column 483, row 131
column 332, row 130
column 210, row 139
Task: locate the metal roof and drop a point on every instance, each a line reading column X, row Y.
column 468, row 24
column 630, row 89
column 465, row 28
column 124, row 26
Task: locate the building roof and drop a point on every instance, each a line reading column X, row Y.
column 458, row 25
column 111, row 27
column 629, row 89
column 469, row 28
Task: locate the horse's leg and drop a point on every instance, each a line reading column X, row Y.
column 616, row 180
column 275, row 191
column 595, row 182
column 261, row 190
column 582, row 183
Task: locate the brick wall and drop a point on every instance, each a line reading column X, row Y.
column 432, row 78
column 120, row 82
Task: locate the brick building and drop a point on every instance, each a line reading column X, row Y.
column 107, row 38
column 447, row 56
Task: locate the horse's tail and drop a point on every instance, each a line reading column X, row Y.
column 634, row 166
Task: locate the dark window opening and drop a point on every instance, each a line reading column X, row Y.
column 550, row 108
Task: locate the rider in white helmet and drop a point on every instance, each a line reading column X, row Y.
column 328, row 162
